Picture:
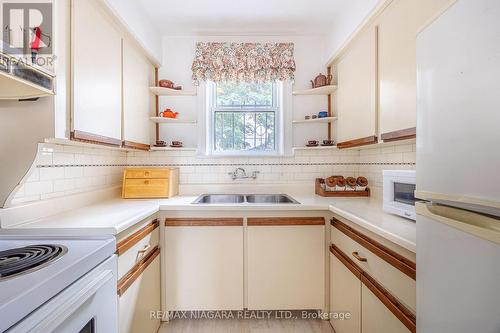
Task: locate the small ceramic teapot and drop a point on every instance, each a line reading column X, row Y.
column 321, row 80
column 169, row 114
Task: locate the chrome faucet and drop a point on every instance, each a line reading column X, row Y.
column 240, row 173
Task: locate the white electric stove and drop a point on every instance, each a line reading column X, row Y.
column 58, row 284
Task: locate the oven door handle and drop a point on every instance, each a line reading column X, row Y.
column 73, row 302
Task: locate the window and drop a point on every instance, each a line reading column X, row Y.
column 244, row 118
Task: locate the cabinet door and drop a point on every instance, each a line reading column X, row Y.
column 286, row 267
column 138, row 76
column 204, row 268
column 345, row 297
column 376, row 317
column 398, row 28
column 96, row 60
column 356, row 90
column 142, row 297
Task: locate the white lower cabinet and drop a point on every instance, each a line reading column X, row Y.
column 396, row 282
column 139, row 286
column 286, row 267
column 139, row 300
column 203, row 266
column 376, row 316
column 371, row 282
column 345, row 298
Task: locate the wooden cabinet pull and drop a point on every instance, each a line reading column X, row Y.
column 146, row 182
column 357, row 256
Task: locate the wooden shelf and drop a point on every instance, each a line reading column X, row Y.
column 160, row 91
column 321, row 192
column 317, row 120
column 315, row 148
column 325, row 90
column 164, row 120
column 172, row 149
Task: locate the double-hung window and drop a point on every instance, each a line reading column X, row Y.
column 245, row 118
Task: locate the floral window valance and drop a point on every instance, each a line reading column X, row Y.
column 243, row 62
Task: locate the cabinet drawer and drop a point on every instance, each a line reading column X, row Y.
column 147, row 173
column 393, row 316
column 141, row 297
column 151, row 188
column 393, row 279
column 137, row 246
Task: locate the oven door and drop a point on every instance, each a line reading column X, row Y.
column 89, row 305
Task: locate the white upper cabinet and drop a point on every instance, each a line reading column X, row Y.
column 356, row 92
column 96, row 71
column 398, row 27
column 138, row 76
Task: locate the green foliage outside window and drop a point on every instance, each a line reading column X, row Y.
column 244, row 117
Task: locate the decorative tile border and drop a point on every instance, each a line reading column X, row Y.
column 215, row 164
column 79, row 165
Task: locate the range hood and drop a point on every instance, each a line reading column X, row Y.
column 19, row 80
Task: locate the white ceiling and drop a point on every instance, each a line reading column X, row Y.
column 233, row 17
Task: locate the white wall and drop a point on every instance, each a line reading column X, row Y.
column 178, row 54
column 135, row 18
column 344, row 25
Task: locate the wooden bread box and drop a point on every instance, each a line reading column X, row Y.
column 141, row 183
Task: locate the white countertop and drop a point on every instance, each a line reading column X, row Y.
column 115, row 215
column 107, row 217
column 368, row 213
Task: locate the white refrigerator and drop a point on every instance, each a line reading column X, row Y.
column 458, row 170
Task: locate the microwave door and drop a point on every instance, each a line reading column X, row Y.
column 404, row 193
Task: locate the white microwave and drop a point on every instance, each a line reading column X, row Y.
column 399, row 192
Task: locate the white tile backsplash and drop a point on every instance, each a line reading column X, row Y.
column 60, row 169
column 63, row 158
column 373, row 160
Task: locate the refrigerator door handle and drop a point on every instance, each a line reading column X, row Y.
column 479, row 225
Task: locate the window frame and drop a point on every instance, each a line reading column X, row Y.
column 276, row 108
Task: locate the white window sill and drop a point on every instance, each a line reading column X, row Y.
column 211, row 155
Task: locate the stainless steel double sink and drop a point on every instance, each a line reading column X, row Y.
column 245, row 198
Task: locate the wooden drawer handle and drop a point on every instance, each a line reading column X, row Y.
column 357, row 256
column 146, row 173
column 146, row 182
